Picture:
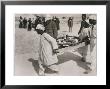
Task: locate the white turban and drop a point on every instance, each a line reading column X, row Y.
column 93, row 17
column 40, row 27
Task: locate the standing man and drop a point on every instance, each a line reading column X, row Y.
column 20, row 22
column 84, row 24
column 70, row 24
column 50, row 27
column 84, row 37
column 36, row 21
column 29, row 24
column 24, row 23
column 57, row 21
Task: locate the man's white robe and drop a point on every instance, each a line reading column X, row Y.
column 46, row 55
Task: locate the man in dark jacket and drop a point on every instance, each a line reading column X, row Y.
column 29, row 24
column 50, row 27
column 37, row 21
column 57, row 21
column 84, row 24
column 24, row 23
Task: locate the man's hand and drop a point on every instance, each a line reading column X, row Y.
column 55, row 51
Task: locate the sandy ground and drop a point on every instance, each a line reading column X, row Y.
column 26, row 64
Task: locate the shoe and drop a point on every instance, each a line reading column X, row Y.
column 88, row 63
column 83, row 60
column 87, row 71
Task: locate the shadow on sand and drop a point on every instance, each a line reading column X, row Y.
column 35, row 64
column 67, row 56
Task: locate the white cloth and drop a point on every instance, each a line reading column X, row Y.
column 85, row 32
column 46, row 55
column 93, row 17
column 93, row 56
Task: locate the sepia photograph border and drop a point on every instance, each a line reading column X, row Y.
column 5, row 3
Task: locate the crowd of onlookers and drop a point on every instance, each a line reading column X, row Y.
column 33, row 22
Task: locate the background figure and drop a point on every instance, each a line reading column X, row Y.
column 70, row 24
column 20, row 22
column 50, row 27
column 29, row 24
column 57, row 21
column 24, row 23
column 84, row 24
column 33, row 23
column 84, row 37
column 37, row 21
column 43, row 20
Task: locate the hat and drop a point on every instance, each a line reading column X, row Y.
column 40, row 27
column 93, row 17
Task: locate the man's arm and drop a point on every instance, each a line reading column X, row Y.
column 80, row 27
column 51, row 40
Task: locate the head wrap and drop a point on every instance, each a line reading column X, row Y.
column 40, row 27
column 94, row 17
